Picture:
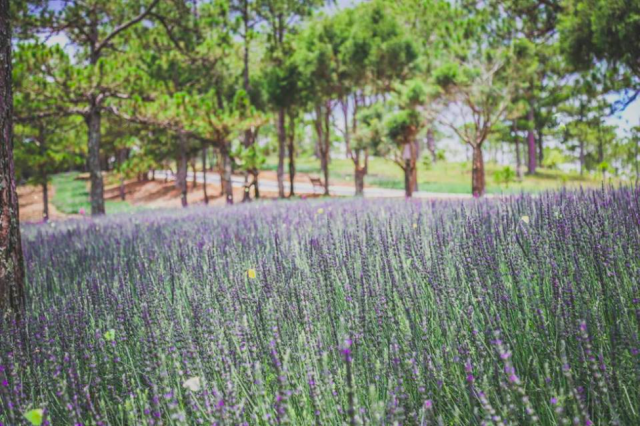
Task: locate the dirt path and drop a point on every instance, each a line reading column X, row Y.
column 31, row 206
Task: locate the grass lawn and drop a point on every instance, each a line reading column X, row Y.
column 441, row 177
column 72, row 194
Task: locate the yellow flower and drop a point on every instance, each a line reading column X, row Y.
column 251, row 273
column 525, row 219
column 320, row 210
column 415, row 225
column 35, row 417
column 110, row 335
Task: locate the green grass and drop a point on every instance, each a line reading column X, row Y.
column 72, row 194
column 441, row 177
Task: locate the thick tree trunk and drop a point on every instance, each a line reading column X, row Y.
column 281, row 151
column 477, row 172
column 11, row 260
column 45, row 200
column 359, row 180
column 360, row 171
column 408, row 188
column 415, row 154
column 292, row 156
column 431, row 145
column 204, row 175
column 181, row 177
column 97, row 186
column 531, row 144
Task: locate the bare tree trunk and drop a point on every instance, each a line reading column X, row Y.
column 204, row 174
column 11, row 259
column 540, row 141
column 226, row 177
column 181, row 177
column 531, row 142
column 360, row 171
column 93, row 120
column 408, row 188
column 281, row 151
column 431, row 145
column 415, row 154
column 45, row 200
column 194, row 179
column 347, row 135
column 477, row 172
column 292, row 155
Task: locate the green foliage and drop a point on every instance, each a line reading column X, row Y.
column 553, row 158
column 504, row 176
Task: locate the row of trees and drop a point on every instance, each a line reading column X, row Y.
column 141, row 85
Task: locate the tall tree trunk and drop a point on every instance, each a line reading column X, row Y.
column 97, row 185
column 359, row 181
column 181, row 177
column 281, row 151
column 45, row 199
column 344, row 103
column 292, row 155
column 256, row 184
column 204, row 174
column 226, row 177
column 431, row 145
column 531, row 143
column 408, row 188
column 11, row 259
column 360, row 172
column 540, row 142
column 518, row 154
column 194, row 179
column 44, row 177
column 415, row 154
column 477, row 172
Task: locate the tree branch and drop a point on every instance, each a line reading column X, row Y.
column 124, row 26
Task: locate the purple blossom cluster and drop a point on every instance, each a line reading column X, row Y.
column 521, row 310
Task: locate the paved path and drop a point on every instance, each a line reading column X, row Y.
column 307, row 188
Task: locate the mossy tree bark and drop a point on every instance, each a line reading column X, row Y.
column 11, row 259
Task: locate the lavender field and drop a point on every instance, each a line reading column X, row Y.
column 502, row 311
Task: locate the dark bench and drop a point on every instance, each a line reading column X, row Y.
column 317, row 183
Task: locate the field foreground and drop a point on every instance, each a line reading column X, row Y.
column 505, row 311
